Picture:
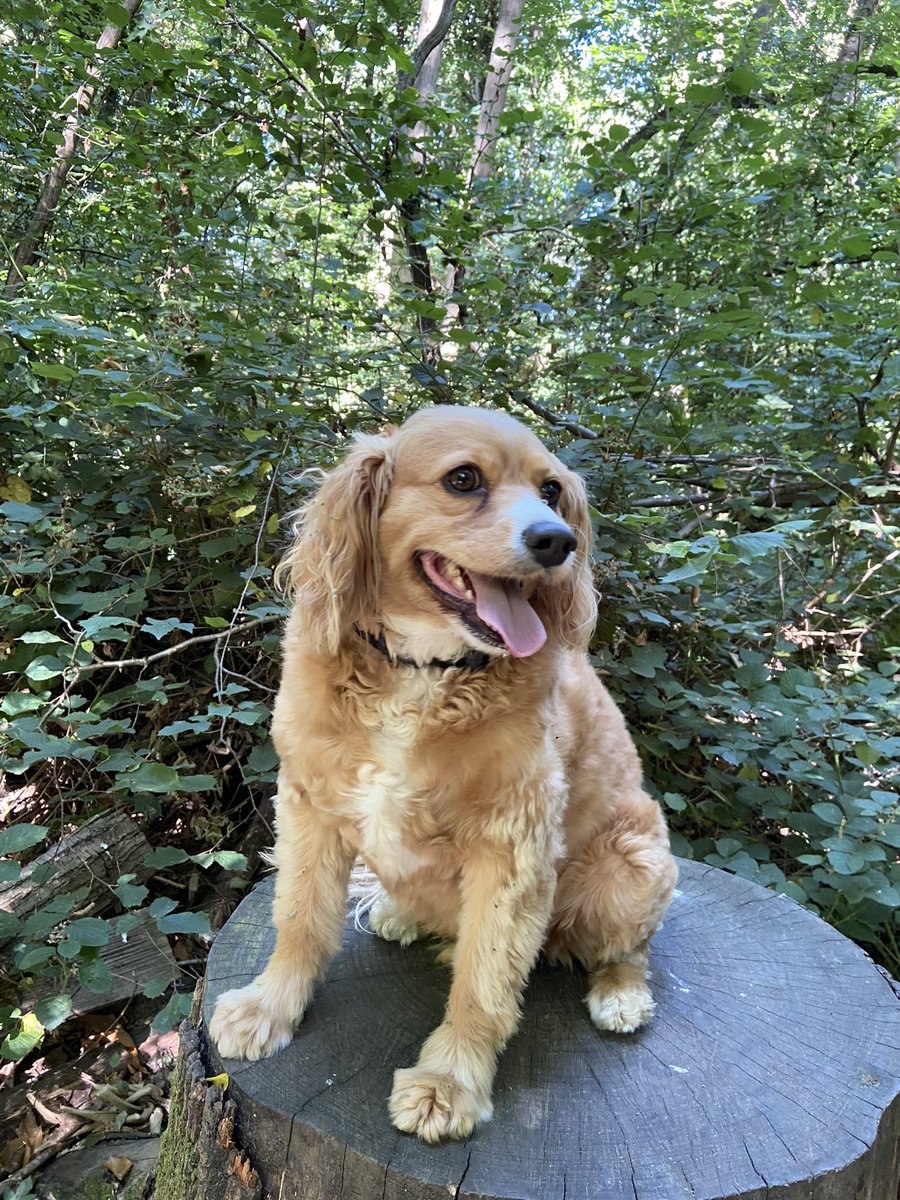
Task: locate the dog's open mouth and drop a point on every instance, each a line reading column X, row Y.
column 493, row 608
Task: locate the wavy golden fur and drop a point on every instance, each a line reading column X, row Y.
column 498, row 798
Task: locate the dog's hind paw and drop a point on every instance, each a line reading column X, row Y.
column 390, row 922
column 619, row 1000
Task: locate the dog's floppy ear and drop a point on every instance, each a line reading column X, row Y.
column 332, row 568
column 571, row 607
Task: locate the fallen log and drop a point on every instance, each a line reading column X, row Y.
column 102, row 849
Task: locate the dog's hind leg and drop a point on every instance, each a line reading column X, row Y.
column 610, row 898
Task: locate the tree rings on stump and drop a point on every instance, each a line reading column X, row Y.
column 769, row 1072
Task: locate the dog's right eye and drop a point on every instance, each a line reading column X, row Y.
column 464, row 479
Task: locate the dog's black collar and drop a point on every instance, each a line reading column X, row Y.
column 474, row 660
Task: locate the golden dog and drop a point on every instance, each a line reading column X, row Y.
column 438, row 716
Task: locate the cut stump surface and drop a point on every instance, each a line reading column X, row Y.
column 770, row 1071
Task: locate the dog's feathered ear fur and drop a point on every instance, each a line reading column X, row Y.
column 332, row 569
column 571, row 607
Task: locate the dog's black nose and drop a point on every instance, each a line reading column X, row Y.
column 549, row 543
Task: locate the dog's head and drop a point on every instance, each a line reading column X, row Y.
column 459, row 529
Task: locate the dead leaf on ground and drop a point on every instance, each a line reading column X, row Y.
column 119, row 1166
column 160, row 1050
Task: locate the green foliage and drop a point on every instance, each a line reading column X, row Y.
column 780, row 772
column 683, row 268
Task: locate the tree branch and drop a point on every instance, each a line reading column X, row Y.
column 429, row 43
column 75, row 672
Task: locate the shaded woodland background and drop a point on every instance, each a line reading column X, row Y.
column 666, row 234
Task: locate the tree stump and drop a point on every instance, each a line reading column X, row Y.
column 770, row 1071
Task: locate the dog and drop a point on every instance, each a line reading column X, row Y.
column 438, row 716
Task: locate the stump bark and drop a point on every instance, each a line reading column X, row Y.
column 770, row 1071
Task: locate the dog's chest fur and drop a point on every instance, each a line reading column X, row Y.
column 389, row 807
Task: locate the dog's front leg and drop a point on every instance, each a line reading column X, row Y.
column 313, row 867
column 507, row 894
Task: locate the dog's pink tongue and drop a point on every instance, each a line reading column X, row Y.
column 505, row 609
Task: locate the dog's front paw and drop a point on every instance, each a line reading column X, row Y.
column 435, row 1105
column 251, row 1023
column 390, row 922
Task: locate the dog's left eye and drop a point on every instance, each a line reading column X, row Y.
column 551, row 492
column 464, row 479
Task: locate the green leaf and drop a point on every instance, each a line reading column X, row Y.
column 829, row 812
column 197, row 783
column 159, row 629
column 88, row 931
column 857, row 246
column 184, row 922
column 741, row 82
column 94, row 974
column 886, row 893
column 155, row 988
column 27, row 514
column 45, row 667
column 10, row 870
column 866, row 754
column 230, row 860
column 151, row 777
column 26, row 1038
column 674, row 801
column 21, row 837
column 179, row 1006
column 262, row 758
column 165, row 856
column 106, row 627
column 117, row 15
column 53, row 1010
column 646, row 660
column 750, row 546
column 53, row 371
column 728, row 847
column 16, row 703
column 9, row 926
column 693, row 569
column 132, row 895
column 846, row 862
column 218, row 546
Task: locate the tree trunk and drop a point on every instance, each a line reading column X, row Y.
column 493, row 99
column 200, row 1158
column 493, row 102
column 45, row 210
column 434, row 24
column 844, row 87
